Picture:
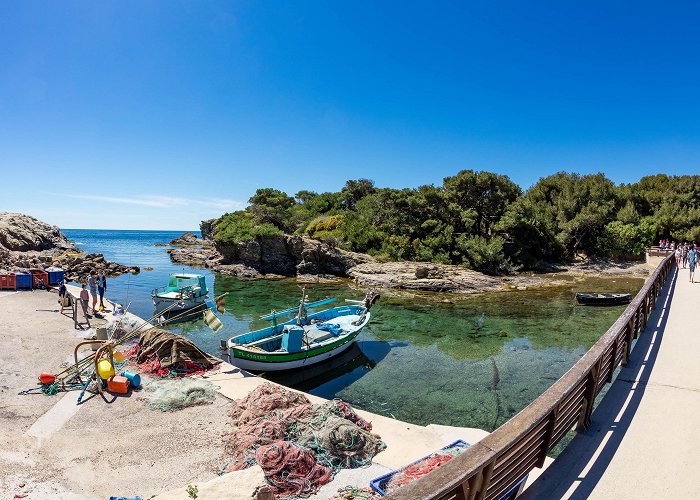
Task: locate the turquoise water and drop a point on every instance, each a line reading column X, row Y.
column 425, row 358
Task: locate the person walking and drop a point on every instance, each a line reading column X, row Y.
column 677, row 253
column 101, row 288
column 692, row 262
column 92, row 285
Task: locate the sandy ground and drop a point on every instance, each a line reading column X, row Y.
column 118, row 448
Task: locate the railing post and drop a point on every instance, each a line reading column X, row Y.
column 614, row 357
column 485, row 480
column 589, row 397
column 628, row 343
column 548, row 436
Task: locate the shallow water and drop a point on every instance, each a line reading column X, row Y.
column 425, row 358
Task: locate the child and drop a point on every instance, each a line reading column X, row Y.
column 84, row 297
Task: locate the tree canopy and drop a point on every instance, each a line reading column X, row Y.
column 482, row 220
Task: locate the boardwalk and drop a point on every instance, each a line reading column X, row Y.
column 644, row 441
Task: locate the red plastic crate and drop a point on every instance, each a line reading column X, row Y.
column 39, row 276
column 8, row 282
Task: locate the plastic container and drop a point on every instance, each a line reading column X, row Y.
column 118, row 384
column 133, row 378
column 56, row 277
column 7, row 282
column 23, row 280
column 105, row 369
column 381, row 483
column 39, row 276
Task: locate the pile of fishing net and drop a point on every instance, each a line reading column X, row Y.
column 163, row 353
column 175, row 394
column 299, row 446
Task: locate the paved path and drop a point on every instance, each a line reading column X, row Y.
column 644, row 441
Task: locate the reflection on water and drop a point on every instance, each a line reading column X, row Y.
column 427, row 358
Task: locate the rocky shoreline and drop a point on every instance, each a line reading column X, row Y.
column 311, row 260
column 28, row 243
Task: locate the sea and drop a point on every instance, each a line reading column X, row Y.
column 471, row 361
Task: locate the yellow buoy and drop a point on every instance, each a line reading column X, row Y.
column 105, row 369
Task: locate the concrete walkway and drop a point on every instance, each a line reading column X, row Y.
column 644, row 441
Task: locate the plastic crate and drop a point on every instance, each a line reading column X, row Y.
column 39, row 276
column 56, row 277
column 7, row 282
column 23, row 280
column 380, row 484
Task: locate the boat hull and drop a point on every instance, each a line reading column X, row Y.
column 162, row 303
column 603, row 299
column 266, row 362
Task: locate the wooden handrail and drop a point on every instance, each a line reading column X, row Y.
column 495, row 464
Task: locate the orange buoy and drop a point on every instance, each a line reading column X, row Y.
column 47, row 378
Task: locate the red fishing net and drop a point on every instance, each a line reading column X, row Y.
column 291, row 470
column 417, row 470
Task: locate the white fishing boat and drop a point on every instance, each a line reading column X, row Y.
column 183, row 291
column 306, row 339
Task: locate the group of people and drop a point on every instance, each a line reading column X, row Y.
column 97, row 283
column 686, row 254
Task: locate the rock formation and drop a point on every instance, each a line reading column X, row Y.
column 424, row 276
column 187, row 239
column 22, row 233
column 282, row 255
column 26, row 242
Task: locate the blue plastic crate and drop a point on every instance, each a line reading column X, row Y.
column 56, row 277
column 379, row 484
column 23, row 280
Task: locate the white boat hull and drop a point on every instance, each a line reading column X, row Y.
column 266, row 366
column 163, row 303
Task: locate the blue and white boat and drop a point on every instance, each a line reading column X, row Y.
column 183, row 291
column 306, row 339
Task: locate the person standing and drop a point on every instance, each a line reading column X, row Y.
column 92, row 285
column 692, row 262
column 101, row 288
column 84, row 299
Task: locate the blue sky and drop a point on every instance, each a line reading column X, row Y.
column 157, row 114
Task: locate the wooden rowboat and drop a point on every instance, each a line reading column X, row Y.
column 603, row 299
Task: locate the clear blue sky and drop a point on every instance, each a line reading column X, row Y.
column 157, row 114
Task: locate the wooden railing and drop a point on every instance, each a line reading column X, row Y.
column 494, row 465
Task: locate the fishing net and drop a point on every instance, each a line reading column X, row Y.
column 301, row 443
column 269, row 398
column 164, row 353
column 337, row 442
column 422, row 467
column 175, row 394
column 291, row 470
column 122, row 326
column 244, row 440
column 354, row 493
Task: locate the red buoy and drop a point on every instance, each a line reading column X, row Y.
column 47, row 378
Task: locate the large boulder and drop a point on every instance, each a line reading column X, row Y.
column 23, row 233
column 187, row 239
